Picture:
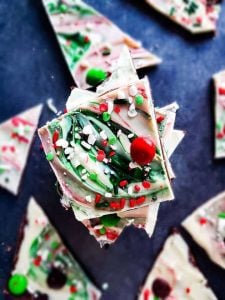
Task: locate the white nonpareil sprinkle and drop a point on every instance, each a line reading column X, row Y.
column 106, row 171
column 86, row 145
column 110, row 106
column 130, row 190
column 130, row 100
column 91, row 139
column 84, row 171
column 105, row 160
column 133, row 90
column 87, row 129
column 76, row 163
column 132, row 111
column 113, row 147
column 51, row 106
column 121, row 95
column 133, row 165
column 103, row 135
column 62, row 143
column 108, row 195
column 119, row 132
column 88, row 198
column 83, row 157
column 84, row 177
column 69, row 150
column 130, row 135
column 77, row 136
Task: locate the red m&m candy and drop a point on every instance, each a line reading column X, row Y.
column 142, row 150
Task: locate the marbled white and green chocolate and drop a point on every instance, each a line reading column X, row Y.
column 219, row 81
column 143, row 217
column 197, row 16
column 175, row 276
column 91, row 44
column 44, row 268
column 207, row 227
column 107, row 154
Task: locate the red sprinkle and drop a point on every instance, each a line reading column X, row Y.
column 97, row 198
column 55, row 136
column 103, row 107
column 100, row 155
column 188, row 290
column 104, row 143
column 220, row 135
column 37, row 261
column 86, row 39
column 159, row 119
column 122, row 203
column 111, row 235
column 112, row 153
column 140, row 200
column 202, row 221
column 73, row 289
column 65, row 111
column 146, row 294
column 132, row 202
column 123, row 183
column 117, row 109
column 146, row 184
column 47, row 236
column 221, row 91
column 137, row 188
column 199, row 20
column 115, row 205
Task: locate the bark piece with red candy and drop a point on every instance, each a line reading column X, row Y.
column 175, row 275
column 44, row 269
column 207, row 227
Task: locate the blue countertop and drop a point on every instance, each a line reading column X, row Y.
column 32, row 70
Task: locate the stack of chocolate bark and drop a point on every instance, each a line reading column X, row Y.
column 110, row 153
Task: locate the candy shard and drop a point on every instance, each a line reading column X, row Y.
column 196, row 16
column 173, row 272
column 39, row 258
column 89, row 40
column 16, row 139
column 208, row 228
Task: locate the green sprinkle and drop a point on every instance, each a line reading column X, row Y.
column 221, row 215
column 55, row 245
column 49, row 156
column 17, row 284
column 172, row 11
column 219, row 126
column 110, row 220
column 106, row 116
column 95, row 76
column 139, row 100
column 112, row 140
column 63, row 8
column 102, row 230
column 93, row 176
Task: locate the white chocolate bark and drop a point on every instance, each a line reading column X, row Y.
column 89, row 40
column 196, row 16
column 42, row 249
column 173, row 276
column 207, row 227
column 16, row 135
column 219, row 82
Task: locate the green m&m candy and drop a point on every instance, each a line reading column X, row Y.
column 95, row 75
column 17, row 284
column 110, row 220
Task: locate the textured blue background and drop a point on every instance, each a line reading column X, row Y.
column 32, row 69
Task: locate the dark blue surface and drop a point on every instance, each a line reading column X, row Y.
column 32, row 69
